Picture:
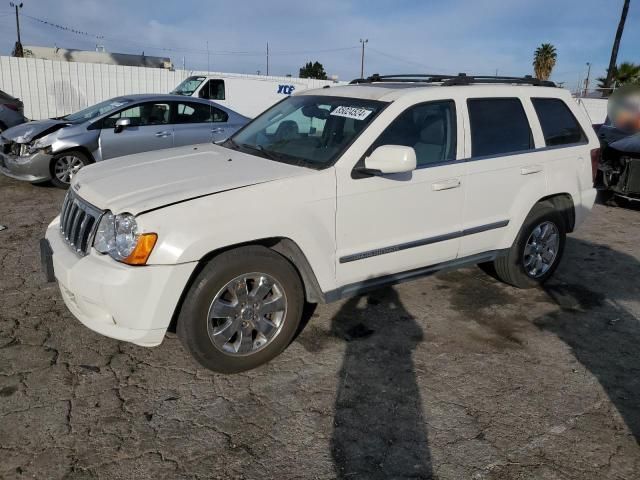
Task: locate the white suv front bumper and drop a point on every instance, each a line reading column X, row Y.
column 134, row 304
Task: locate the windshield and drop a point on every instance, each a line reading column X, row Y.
column 188, row 86
column 309, row 130
column 95, row 110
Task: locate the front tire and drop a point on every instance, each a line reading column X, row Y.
column 242, row 310
column 65, row 165
column 536, row 251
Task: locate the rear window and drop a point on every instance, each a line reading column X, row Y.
column 498, row 126
column 559, row 126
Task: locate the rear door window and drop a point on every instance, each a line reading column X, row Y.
column 498, row 126
column 559, row 126
column 199, row 113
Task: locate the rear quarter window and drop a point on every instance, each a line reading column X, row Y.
column 498, row 126
column 559, row 126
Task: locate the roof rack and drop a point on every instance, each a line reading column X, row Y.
column 448, row 80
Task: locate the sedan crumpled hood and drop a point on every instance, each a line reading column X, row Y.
column 26, row 132
column 150, row 180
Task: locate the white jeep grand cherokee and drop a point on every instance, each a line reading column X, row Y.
column 325, row 195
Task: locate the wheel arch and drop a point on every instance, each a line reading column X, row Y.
column 563, row 202
column 283, row 246
column 79, row 148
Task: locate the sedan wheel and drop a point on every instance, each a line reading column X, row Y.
column 65, row 166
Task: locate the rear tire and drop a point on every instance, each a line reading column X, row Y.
column 65, row 165
column 536, row 251
column 223, row 323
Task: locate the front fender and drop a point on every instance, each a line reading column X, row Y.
column 301, row 209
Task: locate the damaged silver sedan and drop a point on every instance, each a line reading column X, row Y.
column 55, row 149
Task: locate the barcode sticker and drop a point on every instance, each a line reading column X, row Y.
column 356, row 113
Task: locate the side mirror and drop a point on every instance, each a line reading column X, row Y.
column 388, row 159
column 121, row 124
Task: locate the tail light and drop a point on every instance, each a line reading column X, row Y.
column 12, row 107
column 595, row 161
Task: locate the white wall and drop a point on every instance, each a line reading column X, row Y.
column 51, row 89
column 596, row 108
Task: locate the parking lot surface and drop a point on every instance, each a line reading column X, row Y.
column 455, row 376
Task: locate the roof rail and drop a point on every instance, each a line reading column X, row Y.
column 448, row 80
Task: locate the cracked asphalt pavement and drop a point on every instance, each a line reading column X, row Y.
column 455, row 376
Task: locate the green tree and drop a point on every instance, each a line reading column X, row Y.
column 313, row 70
column 544, row 59
column 626, row 73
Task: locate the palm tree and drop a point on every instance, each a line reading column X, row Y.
column 544, row 59
column 624, row 74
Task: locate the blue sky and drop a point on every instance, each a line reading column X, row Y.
column 404, row 35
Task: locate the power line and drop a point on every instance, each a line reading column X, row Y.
column 402, row 59
column 181, row 49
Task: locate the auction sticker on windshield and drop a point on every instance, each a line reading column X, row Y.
column 356, row 113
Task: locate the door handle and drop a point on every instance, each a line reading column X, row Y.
column 529, row 169
column 446, row 184
column 163, row 134
column 217, row 130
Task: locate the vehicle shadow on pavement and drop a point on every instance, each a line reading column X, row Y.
column 379, row 427
column 590, row 289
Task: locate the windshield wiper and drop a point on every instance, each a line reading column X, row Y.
column 259, row 148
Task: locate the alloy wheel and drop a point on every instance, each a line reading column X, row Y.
column 541, row 249
column 66, row 167
column 246, row 314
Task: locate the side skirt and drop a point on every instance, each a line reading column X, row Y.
column 358, row 288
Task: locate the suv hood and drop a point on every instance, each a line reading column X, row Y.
column 27, row 132
column 150, row 180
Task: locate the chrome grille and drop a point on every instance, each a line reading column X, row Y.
column 78, row 223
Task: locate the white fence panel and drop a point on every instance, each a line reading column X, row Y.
column 51, row 88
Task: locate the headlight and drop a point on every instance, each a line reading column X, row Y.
column 33, row 147
column 118, row 236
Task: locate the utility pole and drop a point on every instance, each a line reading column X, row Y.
column 586, row 81
column 208, row 63
column 267, row 58
column 366, row 40
column 616, row 44
column 17, row 51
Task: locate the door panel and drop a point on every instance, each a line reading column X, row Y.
column 200, row 123
column 498, row 190
column 394, row 223
column 150, row 129
column 505, row 175
column 135, row 140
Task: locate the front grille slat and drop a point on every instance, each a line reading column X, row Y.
column 78, row 222
column 73, row 233
column 82, row 231
column 72, row 215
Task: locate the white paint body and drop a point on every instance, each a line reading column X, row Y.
column 250, row 95
column 204, row 198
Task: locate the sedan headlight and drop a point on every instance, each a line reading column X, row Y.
column 27, row 149
column 118, row 236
